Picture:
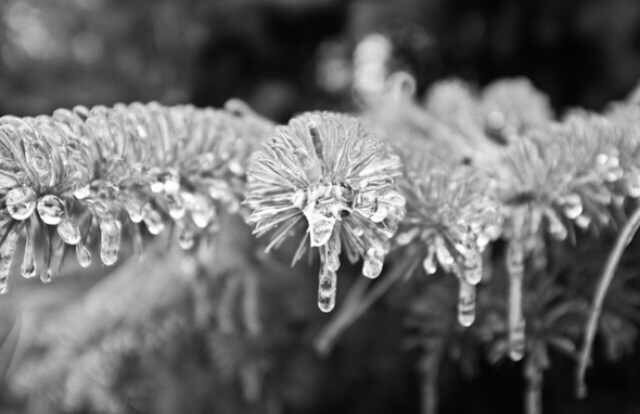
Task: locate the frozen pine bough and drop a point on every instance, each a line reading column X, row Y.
column 480, row 187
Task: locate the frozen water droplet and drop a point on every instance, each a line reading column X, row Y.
column 572, row 206
column 633, row 184
column 167, row 182
column 557, row 229
column 21, row 202
column 466, row 303
column 7, row 250
column 201, row 209
column 134, row 207
column 429, row 263
column 68, row 231
column 407, row 237
column 110, row 231
column 517, row 344
column 175, row 206
column 473, row 269
column 186, row 238
column 442, row 253
column 51, row 209
column 153, row 220
column 83, row 255
column 583, row 221
column 373, row 263
column 82, row 192
column 327, row 284
column 320, row 227
column 380, row 214
column 28, row 269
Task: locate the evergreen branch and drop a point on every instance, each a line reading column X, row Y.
column 83, row 175
column 623, row 240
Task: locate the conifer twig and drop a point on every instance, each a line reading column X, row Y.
column 625, row 237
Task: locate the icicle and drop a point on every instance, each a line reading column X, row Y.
column 175, row 206
column 572, row 206
column 68, row 231
column 202, row 211
column 516, row 323
column 472, row 272
column 20, row 202
column 82, row 192
column 110, row 230
column 51, row 209
column 55, row 258
column 633, row 184
column 429, row 263
column 186, row 237
column 466, row 303
column 373, row 262
column 556, row 228
column 153, row 220
column 83, row 255
column 332, row 252
column 135, row 209
column 7, row 250
column 28, row 269
column 327, row 284
column 442, row 253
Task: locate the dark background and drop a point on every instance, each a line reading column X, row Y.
column 274, row 55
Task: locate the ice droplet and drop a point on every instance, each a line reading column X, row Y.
column 68, row 231
column 153, row 220
column 134, row 207
column 50, row 209
column 202, row 211
column 557, row 229
column 186, row 238
column 583, row 221
column 21, row 202
column 572, row 206
column 429, row 263
column 110, row 231
column 320, row 227
column 373, row 262
column 82, row 192
column 7, row 250
column 28, row 269
column 442, row 253
column 633, row 185
column 83, row 255
column 466, row 303
column 175, row 205
column 167, row 182
column 327, row 284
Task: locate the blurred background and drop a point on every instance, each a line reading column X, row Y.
column 282, row 57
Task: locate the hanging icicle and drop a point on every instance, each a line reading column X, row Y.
column 516, row 322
